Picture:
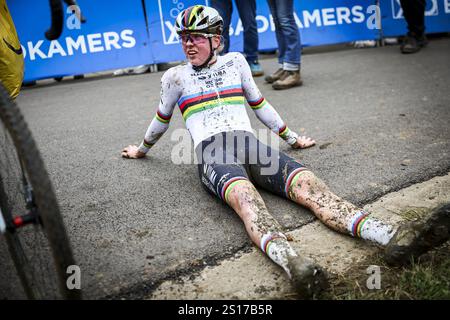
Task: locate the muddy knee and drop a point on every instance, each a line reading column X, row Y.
column 307, row 185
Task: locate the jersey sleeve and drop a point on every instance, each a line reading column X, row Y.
column 169, row 96
column 264, row 111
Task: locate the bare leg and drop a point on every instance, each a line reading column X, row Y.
column 338, row 214
column 248, row 204
column 266, row 233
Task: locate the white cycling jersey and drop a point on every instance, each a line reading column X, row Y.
column 212, row 101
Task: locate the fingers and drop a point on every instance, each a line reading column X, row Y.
column 126, row 152
column 305, row 142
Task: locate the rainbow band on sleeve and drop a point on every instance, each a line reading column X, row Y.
column 147, row 144
column 267, row 240
column 257, row 104
column 191, row 104
column 292, row 179
column 229, row 185
column 284, row 132
column 161, row 117
column 359, row 220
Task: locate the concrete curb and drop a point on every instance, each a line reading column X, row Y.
column 253, row 276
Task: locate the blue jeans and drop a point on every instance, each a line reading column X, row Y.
column 247, row 13
column 286, row 31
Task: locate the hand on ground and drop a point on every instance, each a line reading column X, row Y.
column 303, row 142
column 132, row 152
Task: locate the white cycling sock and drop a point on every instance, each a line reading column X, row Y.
column 276, row 246
column 368, row 228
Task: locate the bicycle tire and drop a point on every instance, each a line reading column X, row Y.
column 51, row 221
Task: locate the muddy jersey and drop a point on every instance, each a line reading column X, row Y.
column 212, row 101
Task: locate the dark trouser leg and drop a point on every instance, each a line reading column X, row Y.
column 247, row 13
column 225, row 9
column 414, row 12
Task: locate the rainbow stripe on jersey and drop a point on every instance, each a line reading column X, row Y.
column 191, row 104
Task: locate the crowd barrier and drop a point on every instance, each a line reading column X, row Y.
column 121, row 34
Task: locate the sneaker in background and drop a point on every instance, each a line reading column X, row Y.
column 256, row 69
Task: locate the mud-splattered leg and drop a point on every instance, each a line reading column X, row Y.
column 307, row 278
column 262, row 228
column 340, row 215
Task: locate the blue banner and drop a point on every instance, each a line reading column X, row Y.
column 114, row 36
column 121, row 34
column 319, row 22
column 161, row 16
column 437, row 17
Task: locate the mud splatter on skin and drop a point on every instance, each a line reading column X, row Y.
column 313, row 193
column 262, row 221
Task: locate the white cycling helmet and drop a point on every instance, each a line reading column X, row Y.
column 201, row 19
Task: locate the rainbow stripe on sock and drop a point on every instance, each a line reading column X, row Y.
column 267, row 240
column 358, row 222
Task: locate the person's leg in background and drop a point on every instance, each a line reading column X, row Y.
column 225, row 9
column 247, row 14
column 414, row 13
column 284, row 11
column 280, row 41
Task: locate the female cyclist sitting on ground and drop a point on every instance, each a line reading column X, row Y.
column 210, row 91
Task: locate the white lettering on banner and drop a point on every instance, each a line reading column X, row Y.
column 447, row 6
column 318, row 18
column 35, row 50
column 111, row 38
column 92, row 43
column 432, row 8
column 129, row 41
column 343, row 14
column 311, row 18
column 173, row 38
column 358, row 13
column 328, row 17
column 55, row 47
column 76, row 45
column 433, row 11
column 264, row 22
column 95, row 42
column 239, row 28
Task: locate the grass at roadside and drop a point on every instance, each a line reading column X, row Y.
column 427, row 279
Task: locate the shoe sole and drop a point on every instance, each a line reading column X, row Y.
column 407, row 51
column 435, row 231
column 258, row 74
column 308, row 279
column 287, row 87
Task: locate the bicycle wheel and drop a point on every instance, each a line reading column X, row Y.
column 35, row 233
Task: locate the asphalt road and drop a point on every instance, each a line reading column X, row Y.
column 381, row 120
